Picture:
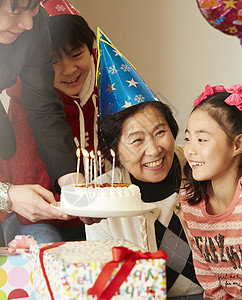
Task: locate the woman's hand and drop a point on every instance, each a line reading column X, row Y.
column 33, row 202
column 90, row 221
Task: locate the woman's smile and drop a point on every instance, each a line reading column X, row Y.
column 154, row 165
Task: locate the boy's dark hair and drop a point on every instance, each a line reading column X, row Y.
column 70, row 32
column 110, row 127
column 229, row 118
column 16, row 4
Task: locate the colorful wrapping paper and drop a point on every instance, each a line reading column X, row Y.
column 15, row 277
column 73, row 267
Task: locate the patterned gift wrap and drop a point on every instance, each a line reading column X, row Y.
column 15, row 277
column 73, row 267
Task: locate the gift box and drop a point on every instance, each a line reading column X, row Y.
column 71, row 270
column 15, row 277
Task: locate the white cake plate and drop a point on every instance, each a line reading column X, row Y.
column 85, row 212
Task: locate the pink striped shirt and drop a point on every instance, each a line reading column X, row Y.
column 217, row 247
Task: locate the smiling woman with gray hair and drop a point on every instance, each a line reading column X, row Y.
column 143, row 137
column 142, row 132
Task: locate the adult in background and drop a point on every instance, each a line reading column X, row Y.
column 25, row 51
column 74, row 63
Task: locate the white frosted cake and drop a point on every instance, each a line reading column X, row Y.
column 106, row 197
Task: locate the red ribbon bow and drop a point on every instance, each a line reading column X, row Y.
column 209, row 91
column 234, row 99
column 119, row 254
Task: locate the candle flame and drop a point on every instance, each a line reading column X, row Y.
column 99, row 153
column 78, row 152
column 85, row 153
column 112, row 152
column 92, row 154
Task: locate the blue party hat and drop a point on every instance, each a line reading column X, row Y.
column 118, row 83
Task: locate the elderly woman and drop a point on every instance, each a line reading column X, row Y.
column 143, row 137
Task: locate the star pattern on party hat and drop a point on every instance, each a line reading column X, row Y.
column 59, row 7
column 119, row 85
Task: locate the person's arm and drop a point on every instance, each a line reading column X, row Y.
column 7, row 136
column 29, row 201
column 45, row 114
column 32, row 202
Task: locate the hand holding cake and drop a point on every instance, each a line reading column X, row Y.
column 33, row 202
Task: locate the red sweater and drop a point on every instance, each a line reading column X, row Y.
column 26, row 167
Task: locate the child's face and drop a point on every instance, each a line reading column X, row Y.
column 12, row 24
column 72, row 70
column 207, row 149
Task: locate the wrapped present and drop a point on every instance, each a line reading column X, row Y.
column 112, row 269
column 15, row 276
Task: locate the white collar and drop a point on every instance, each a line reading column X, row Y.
column 88, row 86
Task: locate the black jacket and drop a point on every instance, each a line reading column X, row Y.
column 29, row 57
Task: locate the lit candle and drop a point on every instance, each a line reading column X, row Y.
column 113, row 155
column 94, row 167
column 91, row 161
column 100, row 165
column 86, row 164
column 78, row 154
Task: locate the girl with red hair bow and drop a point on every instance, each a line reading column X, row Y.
column 211, row 202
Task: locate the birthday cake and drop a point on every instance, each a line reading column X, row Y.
column 116, row 197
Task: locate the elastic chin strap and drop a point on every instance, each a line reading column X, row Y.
column 82, row 127
column 95, row 128
column 84, row 96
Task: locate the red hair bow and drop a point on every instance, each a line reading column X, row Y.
column 236, row 97
column 209, row 91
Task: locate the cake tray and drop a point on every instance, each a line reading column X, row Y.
column 85, row 212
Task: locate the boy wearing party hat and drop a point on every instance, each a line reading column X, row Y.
column 74, row 64
column 142, row 131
